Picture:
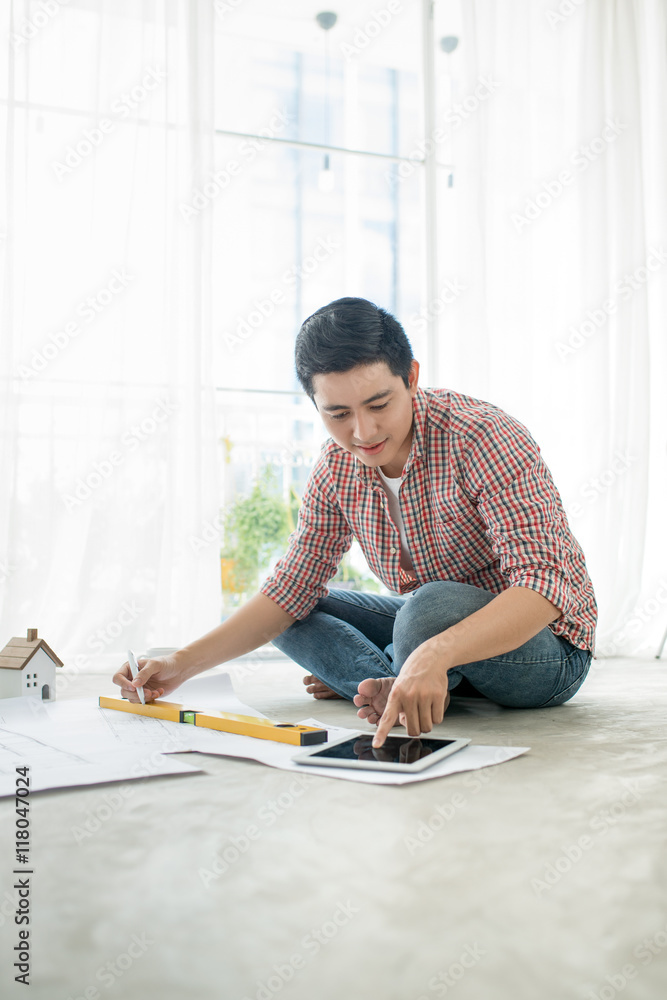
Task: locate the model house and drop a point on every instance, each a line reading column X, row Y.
column 28, row 666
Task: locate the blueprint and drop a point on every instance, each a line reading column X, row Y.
column 60, row 756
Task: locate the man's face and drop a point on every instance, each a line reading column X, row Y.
column 368, row 406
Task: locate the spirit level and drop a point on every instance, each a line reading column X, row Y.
column 226, row 722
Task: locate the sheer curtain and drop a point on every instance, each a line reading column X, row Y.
column 556, row 229
column 551, row 296
column 108, row 436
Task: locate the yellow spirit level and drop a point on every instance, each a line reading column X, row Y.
column 226, row 722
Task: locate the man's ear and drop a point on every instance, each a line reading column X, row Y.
column 413, row 377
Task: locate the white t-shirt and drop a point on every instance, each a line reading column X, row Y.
column 391, row 487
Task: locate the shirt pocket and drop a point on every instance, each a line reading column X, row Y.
column 461, row 540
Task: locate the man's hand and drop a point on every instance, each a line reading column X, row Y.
column 158, row 676
column 419, row 696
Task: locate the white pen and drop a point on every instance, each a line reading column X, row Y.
column 132, row 660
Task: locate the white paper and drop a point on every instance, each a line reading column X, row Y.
column 470, row 758
column 81, row 726
column 59, row 758
column 212, row 691
column 94, row 769
column 76, row 742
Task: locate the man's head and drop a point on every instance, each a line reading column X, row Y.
column 348, row 333
column 355, row 362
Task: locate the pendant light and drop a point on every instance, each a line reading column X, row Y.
column 326, row 180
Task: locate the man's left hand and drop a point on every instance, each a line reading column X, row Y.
column 419, row 696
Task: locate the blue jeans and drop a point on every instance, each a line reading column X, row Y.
column 351, row 635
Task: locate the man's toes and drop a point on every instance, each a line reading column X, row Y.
column 314, row 684
column 370, row 687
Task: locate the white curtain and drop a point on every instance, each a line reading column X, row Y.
column 109, row 496
column 551, row 303
column 556, row 227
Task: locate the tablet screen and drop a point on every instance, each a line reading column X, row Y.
column 395, row 750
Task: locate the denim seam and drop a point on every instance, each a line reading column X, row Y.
column 368, row 649
column 575, row 684
column 362, row 607
column 507, row 658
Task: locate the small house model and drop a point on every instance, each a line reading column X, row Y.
column 28, row 667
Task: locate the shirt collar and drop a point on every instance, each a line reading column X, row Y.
column 417, row 446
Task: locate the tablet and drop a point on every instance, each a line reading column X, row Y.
column 399, row 753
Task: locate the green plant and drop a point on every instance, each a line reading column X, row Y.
column 256, row 528
column 353, row 578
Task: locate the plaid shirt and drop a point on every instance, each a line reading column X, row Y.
column 479, row 506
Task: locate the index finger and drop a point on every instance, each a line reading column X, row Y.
column 389, row 719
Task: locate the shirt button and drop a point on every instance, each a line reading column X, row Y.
column 392, row 550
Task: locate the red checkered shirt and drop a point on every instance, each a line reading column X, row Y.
column 479, row 506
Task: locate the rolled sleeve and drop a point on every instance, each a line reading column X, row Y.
column 509, row 482
column 315, row 548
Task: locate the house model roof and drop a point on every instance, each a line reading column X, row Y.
column 18, row 652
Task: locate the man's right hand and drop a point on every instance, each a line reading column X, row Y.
column 159, row 676
column 258, row 621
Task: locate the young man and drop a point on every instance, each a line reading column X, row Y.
column 453, row 507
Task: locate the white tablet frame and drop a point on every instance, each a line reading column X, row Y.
column 308, row 756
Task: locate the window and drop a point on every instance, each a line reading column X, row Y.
column 309, row 208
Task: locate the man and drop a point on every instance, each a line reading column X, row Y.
column 453, row 506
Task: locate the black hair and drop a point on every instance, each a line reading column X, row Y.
column 346, row 333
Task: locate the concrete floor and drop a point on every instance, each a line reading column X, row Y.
column 544, row 877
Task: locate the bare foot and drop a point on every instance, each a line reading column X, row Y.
column 372, row 698
column 318, row 688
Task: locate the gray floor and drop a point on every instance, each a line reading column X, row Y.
column 541, row 878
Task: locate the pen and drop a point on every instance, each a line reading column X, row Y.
column 132, row 660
